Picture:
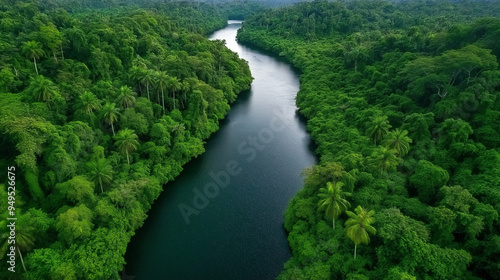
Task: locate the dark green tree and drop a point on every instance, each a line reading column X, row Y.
column 100, row 171
column 42, row 89
column 33, row 50
column 398, row 140
column 385, row 159
column 358, row 226
column 332, row 200
column 126, row 97
column 377, row 129
column 126, row 141
column 110, row 114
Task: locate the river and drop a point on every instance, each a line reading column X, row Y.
column 222, row 218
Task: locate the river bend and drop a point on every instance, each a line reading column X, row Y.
column 222, row 218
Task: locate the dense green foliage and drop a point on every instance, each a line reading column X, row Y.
column 199, row 16
column 98, row 110
column 403, row 101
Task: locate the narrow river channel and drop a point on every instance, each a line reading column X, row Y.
column 234, row 195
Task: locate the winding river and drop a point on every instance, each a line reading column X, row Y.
column 222, row 218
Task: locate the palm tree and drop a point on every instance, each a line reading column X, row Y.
column 162, row 82
column 33, row 50
column 332, row 200
column 385, row 159
column 378, row 128
column 148, row 79
column 110, row 114
column 136, row 74
column 89, row 103
column 399, row 141
column 185, row 87
column 24, row 240
column 174, row 86
column 42, row 88
column 100, row 171
column 359, row 225
column 126, row 140
column 126, row 97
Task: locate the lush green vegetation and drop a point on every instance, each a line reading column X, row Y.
column 403, row 101
column 98, row 110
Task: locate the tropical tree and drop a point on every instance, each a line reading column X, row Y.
column 178, row 129
column 42, row 89
column 100, row 171
column 378, row 128
column 332, row 200
column 126, row 140
column 359, row 225
column 399, row 141
column 185, row 87
column 385, row 159
column 162, row 82
column 88, row 102
column 51, row 37
column 136, row 74
column 126, row 97
column 174, row 85
column 75, row 223
column 110, row 114
column 77, row 38
column 33, row 50
column 147, row 79
column 24, row 240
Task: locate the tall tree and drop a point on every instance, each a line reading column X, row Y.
column 100, row 171
column 147, row 80
column 185, row 88
column 385, row 159
column 398, row 140
column 110, row 114
column 332, row 200
column 33, row 50
column 136, row 74
column 24, row 239
column 75, row 223
column 162, row 82
column 126, row 140
column 42, row 89
column 88, row 102
column 126, row 97
column 51, row 37
column 174, row 85
column 77, row 38
column 359, row 225
column 378, row 128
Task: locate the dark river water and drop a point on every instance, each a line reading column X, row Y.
column 222, row 218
